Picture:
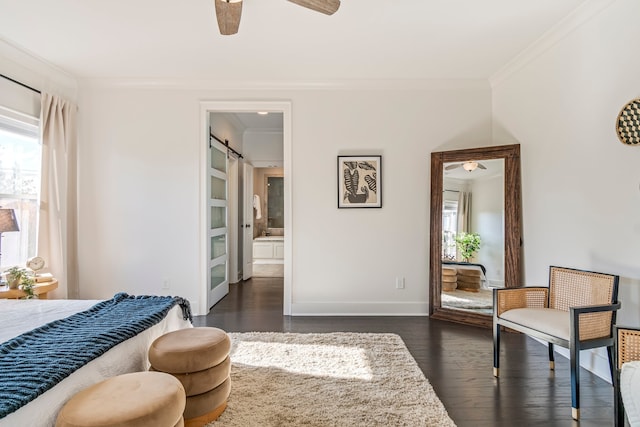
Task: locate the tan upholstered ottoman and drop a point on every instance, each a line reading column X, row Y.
column 468, row 279
column 139, row 399
column 199, row 359
column 449, row 279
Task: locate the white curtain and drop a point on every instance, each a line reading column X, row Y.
column 57, row 230
column 464, row 214
column 464, row 211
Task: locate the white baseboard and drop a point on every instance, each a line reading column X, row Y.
column 360, row 309
column 268, row 261
column 495, row 283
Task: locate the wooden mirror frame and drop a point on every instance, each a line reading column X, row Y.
column 512, row 226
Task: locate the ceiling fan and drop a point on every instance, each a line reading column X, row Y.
column 469, row 166
column 228, row 12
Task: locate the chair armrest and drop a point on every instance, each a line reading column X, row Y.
column 595, row 308
column 593, row 321
column 526, row 297
column 628, row 344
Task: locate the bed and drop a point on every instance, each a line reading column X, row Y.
column 461, row 265
column 18, row 317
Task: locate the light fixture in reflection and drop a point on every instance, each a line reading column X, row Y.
column 263, row 113
column 470, row 166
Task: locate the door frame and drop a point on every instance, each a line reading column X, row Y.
column 232, row 200
column 284, row 107
column 247, row 221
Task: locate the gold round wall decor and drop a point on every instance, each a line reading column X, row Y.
column 628, row 123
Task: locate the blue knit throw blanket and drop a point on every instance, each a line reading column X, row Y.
column 35, row 361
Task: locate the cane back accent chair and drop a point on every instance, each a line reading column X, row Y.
column 626, row 381
column 577, row 311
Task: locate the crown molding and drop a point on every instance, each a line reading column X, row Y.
column 558, row 32
column 19, row 64
column 279, row 85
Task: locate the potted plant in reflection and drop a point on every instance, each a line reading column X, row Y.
column 467, row 244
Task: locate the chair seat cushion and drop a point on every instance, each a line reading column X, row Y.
column 547, row 320
column 630, row 391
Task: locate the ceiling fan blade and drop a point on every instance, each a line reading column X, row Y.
column 228, row 13
column 448, row 168
column 328, row 7
column 481, row 166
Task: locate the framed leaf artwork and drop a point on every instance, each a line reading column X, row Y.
column 359, row 181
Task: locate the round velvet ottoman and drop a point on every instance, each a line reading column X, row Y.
column 139, row 399
column 449, row 279
column 199, row 359
column 469, row 280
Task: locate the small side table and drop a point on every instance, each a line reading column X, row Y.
column 41, row 289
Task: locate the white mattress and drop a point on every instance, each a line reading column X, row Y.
column 19, row 316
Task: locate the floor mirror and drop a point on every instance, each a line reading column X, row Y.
column 474, row 191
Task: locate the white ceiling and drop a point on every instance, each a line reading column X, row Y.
column 271, row 122
column 493, row 167
column 278, row 40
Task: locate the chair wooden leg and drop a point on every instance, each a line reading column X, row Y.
column 574, row 356
column 552, row 361
column 496, row 349
column 618, row 407
column 610, row 354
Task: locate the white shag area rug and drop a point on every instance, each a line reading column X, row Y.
column 469, row 300
column 335, row 379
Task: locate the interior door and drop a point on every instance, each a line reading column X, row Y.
column 247, row 226
column 218, row 214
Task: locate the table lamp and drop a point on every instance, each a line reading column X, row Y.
column 8, row 222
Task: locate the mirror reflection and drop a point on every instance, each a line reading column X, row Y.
column 275, row 202
column 497, row 262
column 472, row 234
column 268, row 188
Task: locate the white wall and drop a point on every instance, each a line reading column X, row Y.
column 581, row 197
column 264, row 149
column 227, row 130
column 140, row 187
column 487, row 217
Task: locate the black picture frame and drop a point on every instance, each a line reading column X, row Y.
column 360, row 181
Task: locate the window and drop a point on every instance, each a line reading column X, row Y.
column 20, row 165
column 449, row 229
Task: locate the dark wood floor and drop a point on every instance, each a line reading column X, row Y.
column 456, row 359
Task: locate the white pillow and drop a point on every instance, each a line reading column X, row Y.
column 630, row 390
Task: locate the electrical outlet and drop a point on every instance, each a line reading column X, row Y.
column 165, row 283
column 399, row 282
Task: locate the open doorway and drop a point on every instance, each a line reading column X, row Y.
column 268, row 226
column 262, row 143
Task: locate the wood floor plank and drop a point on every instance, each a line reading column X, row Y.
column 456, row 359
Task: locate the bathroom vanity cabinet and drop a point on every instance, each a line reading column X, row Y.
column 268, row 249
